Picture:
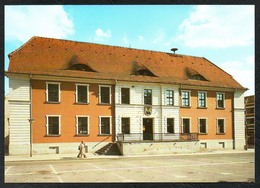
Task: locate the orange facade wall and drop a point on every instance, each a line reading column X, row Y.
column 68, row 110
column 211, row 113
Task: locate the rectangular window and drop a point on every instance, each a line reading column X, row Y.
column 125, row 93
column 104, row 125
column 148, row 96
column 81, row 93
column 202, row 126
column 170, row 125
column 220, row 126
column 104, row 94
column 53, row 125
column 185, row 98
column 202, row 99
column 125, row 123
column 169, row 97
column 53, row 92
column 220, row 100
column 82, row 125
column 185, row 125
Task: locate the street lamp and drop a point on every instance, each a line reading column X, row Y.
column 31, row 121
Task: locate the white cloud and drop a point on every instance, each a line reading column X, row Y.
column 218, row 26
column 140, row 38
column 243, row 72
column 23, row 22
column 250, row 60
column 101, row 33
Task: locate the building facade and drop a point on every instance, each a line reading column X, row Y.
column 62, row 92
column 250, row 121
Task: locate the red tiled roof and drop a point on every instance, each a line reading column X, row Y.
column 55, row 57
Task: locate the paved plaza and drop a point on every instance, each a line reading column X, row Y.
column 227, row 167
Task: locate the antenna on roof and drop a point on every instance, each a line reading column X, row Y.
column 174, row 50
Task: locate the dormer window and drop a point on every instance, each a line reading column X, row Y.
column 145, row 72
column 194, row 75
column 81, row 67
column 79, row 63
column 198, row 77
column 139, row 69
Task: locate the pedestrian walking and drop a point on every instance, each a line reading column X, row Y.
column 82, row 150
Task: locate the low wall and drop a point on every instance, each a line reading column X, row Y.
column 55, row 148
column 155, row 148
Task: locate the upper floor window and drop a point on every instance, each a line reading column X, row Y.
column 125, row 95
column 202, row 126
column 220, row 100
column 185, row 125
column 125, row 123
column 220, row 126
column 202, row 96
column 169, row 97
column 185, row 98
column 53, row 124
column 105, row 94
column 104, row 125
column 82, row 93
column 82, row 125
column 148, row 96
column 52, row 92
column 170, row 125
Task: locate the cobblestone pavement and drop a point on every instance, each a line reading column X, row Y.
column 232, row 167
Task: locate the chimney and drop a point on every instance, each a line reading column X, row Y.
column 174, row 50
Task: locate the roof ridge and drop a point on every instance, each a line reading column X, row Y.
column 129, row 48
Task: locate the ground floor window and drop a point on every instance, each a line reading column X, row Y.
column 125, row 123
column 220, row 126
column 104, row 126
column 170, row 125
column 202, row 126
column 82, row 125
column 53, row 125
column 186, row 125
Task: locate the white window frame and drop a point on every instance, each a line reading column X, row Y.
column 47, row 125
column 224, row 97
column 182, row 124
column 99, row 124
column 76, row 93
column 189, row 97
column 99, row 93
column 77, row 131
column 122, row 126
column 206, row 124
column 173, row 125
column 151, row 96
column 46, row 92
column 206, row 97
column 166, row 103
column 129, row 95
column 224, row 126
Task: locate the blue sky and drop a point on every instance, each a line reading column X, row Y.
column 223, row 34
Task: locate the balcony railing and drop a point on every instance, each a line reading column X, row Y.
column 157, row 137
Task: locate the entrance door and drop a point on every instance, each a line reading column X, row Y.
column 147, row 129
